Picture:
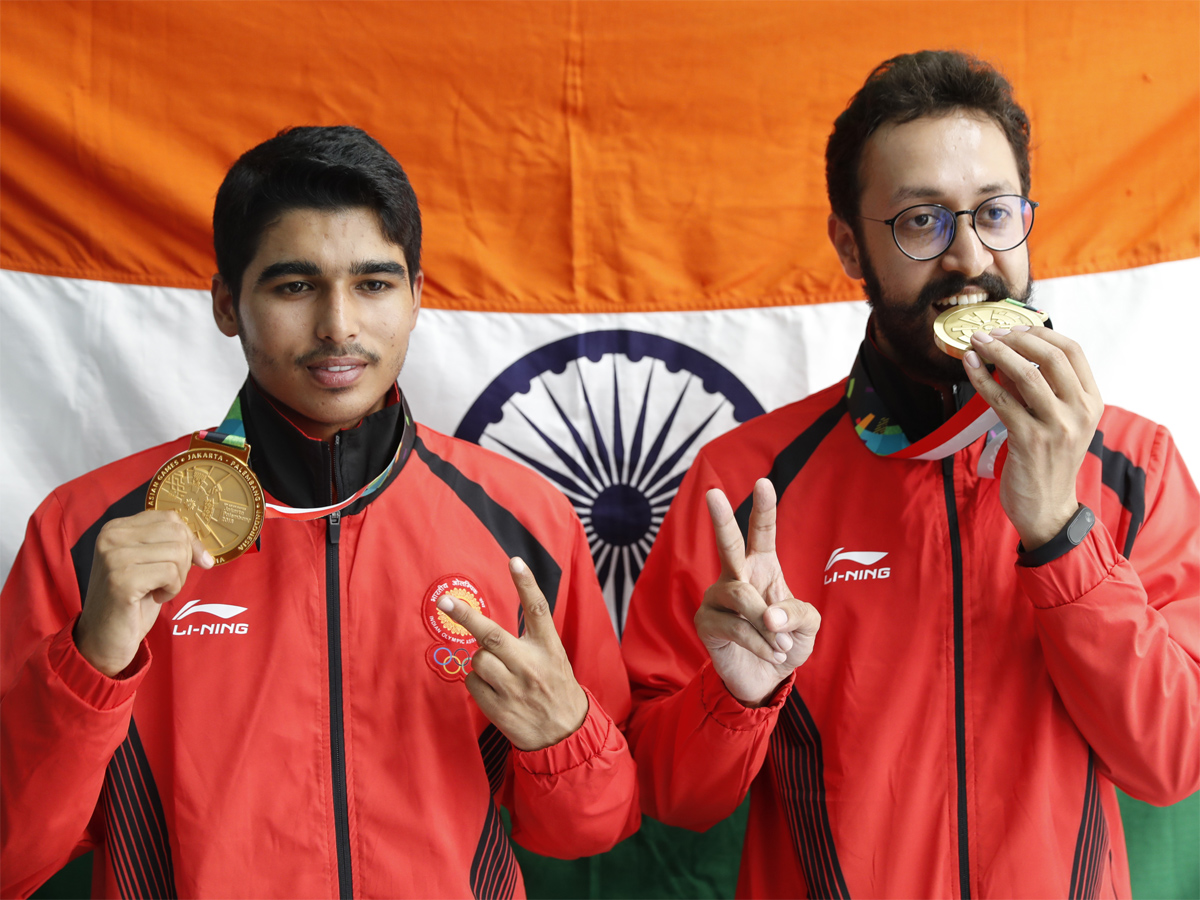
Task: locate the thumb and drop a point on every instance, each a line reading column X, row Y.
column 200, row 556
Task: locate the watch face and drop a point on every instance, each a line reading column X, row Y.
column 1079, row 526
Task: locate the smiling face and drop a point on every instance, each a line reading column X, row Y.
column 957, row 160
column 324, row 315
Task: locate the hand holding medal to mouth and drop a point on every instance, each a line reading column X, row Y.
column 1043, row 391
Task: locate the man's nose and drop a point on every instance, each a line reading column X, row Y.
column 338, row 319
column 966, row 253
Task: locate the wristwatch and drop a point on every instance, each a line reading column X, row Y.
column 1068, row 539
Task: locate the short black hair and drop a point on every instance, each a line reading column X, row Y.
column 311, row 167
column 908, row 87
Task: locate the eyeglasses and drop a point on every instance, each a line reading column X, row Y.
column 927, row 231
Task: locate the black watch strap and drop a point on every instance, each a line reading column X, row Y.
column 1068, row 539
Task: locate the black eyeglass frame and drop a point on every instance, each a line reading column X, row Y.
column 891, row 223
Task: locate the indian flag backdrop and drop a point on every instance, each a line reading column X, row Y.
column 625, row 247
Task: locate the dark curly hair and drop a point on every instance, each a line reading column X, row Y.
column 928, row 83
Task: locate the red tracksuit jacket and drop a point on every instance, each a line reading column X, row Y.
column 315, row 743
column 962, row 721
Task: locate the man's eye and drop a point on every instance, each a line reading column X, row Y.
column 920, row 220
column 292, row 287
column 374, row 286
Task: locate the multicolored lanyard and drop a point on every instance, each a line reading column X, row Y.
column 884, row 437
column 232, row 433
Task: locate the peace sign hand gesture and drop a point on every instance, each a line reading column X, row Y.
column 753, row 628
column 525, row 686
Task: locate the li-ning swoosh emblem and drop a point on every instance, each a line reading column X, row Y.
column 221, row 610
column 862, row 557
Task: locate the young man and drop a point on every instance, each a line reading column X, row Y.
column 994, row 654
column 295, row 722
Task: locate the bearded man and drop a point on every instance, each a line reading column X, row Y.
column 1006, row 571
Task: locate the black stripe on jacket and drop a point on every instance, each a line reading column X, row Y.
column 796, row 757
column 799, row 770
column 135, row 824
column 512, row 536
column 1127, row 481
column 136, row 838
column 494, row 868
column 1091, row 847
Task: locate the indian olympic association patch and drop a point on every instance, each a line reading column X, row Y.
column 453, row 646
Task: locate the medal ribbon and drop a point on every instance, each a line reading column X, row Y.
column 232, row 433
column 883, row 437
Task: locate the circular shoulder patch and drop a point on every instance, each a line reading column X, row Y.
column 440, row 625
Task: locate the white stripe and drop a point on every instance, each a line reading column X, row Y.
column 95, row 371
column 977, row 429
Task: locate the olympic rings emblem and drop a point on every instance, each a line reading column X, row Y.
column 452, row 661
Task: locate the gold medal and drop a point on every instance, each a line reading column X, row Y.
column 215, row 493
column 952, row 330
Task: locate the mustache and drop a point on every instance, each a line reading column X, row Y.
column 336, row 351
column 949, row 285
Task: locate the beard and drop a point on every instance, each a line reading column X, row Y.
column 906, row 327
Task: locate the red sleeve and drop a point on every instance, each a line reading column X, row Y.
column 60, row 719
column 697, row 747
column 588, row 779
column 1122, row 638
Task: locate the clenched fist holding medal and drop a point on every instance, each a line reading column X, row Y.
column 204, row 507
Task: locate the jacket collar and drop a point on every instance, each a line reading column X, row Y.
column 305, row 473
column 891, row 398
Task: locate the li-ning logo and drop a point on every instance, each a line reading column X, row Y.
column 220, row 610
column 863, row 558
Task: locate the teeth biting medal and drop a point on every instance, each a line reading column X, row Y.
column 952, row 329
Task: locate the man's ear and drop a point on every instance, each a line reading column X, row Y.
column 224, row 311
column 845, row 243
column 417, row 285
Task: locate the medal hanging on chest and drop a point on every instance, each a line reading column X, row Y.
column 212, row 488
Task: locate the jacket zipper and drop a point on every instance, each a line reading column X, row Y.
column 960, row 722
column 337, row 728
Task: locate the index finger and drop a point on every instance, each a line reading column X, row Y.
column 539, row 621
column 491, row 637
column 730, row 547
